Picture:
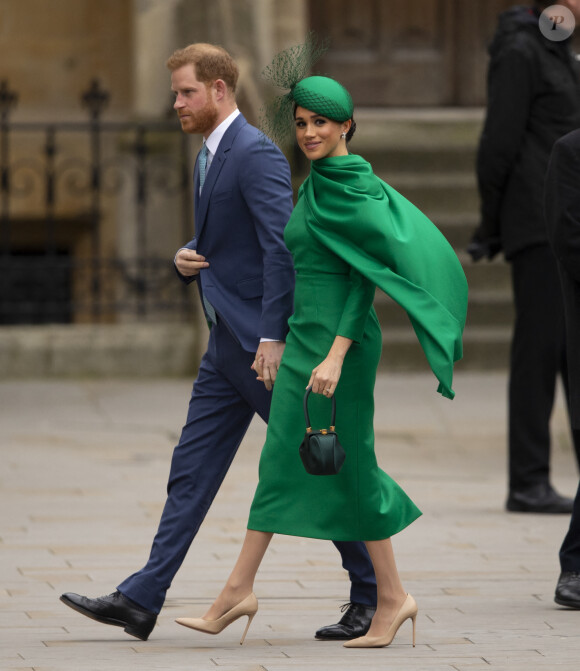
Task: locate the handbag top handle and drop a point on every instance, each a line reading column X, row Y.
column 307, row 416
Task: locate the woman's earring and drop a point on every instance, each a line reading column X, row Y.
column 343, row 136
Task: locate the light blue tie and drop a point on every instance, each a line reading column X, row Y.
column 209, row 308
column 202, row 165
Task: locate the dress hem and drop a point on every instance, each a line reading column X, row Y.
column 328, row 537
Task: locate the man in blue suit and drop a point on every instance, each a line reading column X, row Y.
column 245, row 277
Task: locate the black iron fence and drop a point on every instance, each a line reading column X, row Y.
column 91, row 214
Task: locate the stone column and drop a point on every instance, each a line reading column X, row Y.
column 154, row 36
column 291, row 23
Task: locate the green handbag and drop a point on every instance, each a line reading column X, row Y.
column 321, row 451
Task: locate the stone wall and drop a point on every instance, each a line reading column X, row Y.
column 101, row 350
column 50, row 50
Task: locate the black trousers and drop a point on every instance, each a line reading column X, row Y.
column 538, row 356
column 570, row 550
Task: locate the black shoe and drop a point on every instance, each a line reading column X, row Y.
column 540, row 498
column 568, row 589
column 114, row 609
column 354, row 623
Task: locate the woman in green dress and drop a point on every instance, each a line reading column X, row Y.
column 349, row 233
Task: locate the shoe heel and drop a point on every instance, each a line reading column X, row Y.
column 132, row 631
column 414, row 620
column 250, row 618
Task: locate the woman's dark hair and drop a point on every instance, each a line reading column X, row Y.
column 351, row 130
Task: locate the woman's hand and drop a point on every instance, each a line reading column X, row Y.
column 326, row 375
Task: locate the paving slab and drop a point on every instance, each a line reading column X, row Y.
column 83, row 470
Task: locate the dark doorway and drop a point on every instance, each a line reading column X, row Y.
column 36, row 287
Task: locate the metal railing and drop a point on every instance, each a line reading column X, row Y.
column 91, row 213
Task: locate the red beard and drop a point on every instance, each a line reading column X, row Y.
column 201, row 120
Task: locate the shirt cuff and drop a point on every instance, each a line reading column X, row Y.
column 177, row 252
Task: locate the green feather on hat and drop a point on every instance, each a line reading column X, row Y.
column 322, row 95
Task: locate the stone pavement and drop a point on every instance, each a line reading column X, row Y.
column 82, row 474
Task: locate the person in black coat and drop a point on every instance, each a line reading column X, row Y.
column 533, row 99
column 562, row 207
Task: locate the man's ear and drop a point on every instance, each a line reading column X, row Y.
column 220, row 88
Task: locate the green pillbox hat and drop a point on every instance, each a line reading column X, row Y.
column 324, row 96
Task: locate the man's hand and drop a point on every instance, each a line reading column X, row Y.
column 483, row 245
column 188, row 262
column 267, row 361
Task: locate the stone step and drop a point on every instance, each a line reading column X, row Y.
column 450, row 201
column 486, row 275
column 427, row 155
column 490, row 307
column 417, row 160
column 450, row 192
column 485, row 307
column 100, row 350
column 417, row 140
column 484, row 348
column 457, row 227
column 418, row 127
column 487, row 278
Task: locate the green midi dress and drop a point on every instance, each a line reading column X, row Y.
column 338, row 262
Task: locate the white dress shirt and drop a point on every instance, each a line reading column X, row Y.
column 216, row 136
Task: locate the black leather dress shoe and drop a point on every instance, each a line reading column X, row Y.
column 568, row 589
column 540, row 498
column 114, row 609
column 354, row 623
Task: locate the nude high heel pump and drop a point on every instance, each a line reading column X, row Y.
column 248, row 606
column 408, row 610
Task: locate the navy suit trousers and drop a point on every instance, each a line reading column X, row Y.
column 224, row 400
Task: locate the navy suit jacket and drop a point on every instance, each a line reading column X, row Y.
column 240, row 217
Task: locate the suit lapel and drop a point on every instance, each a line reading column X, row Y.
column 221, row 155
column 196, row 196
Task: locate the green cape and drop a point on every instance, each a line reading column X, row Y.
column 394, row 245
